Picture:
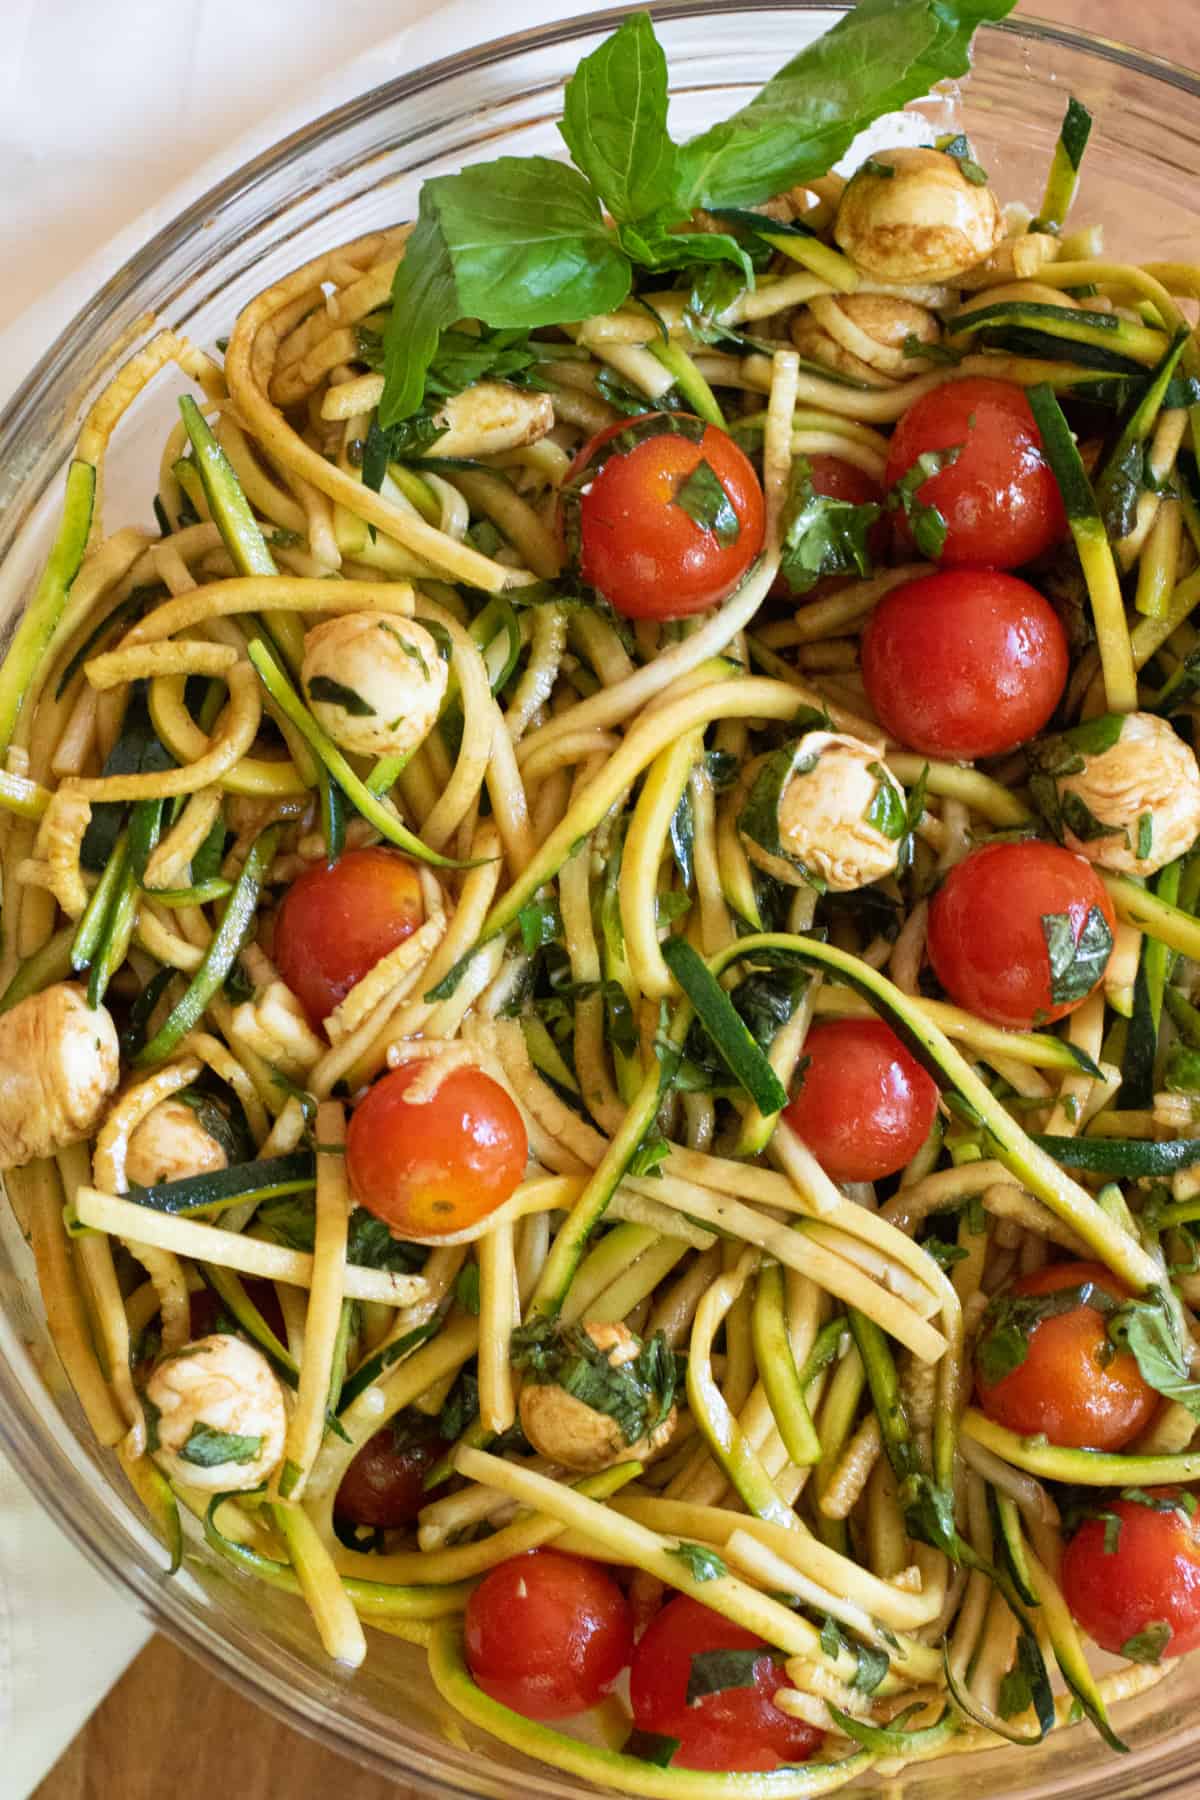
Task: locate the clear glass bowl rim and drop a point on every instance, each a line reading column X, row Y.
column 29, row 1447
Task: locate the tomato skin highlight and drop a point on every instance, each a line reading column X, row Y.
column 1000, row 500
column 964, row 664
column 644, row 553
column 384, row 1485
column 1066, row 1388
column 338, row 919
column 548, row 1634
column 738, row 1729
column 429, row 1169
column 1151, row 1577
column 986, row 940
column 864, row 1105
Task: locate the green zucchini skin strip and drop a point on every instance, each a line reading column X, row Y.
column 609, row 1768
column 264, row 1180
column 357, row 792
column 49, row 964
column 1123, row 1158
column 725, row 1026
column 386, row 1357
column 1168, row 924
column 777, row 1366
column 32, row 637
column 203, row 894
column 1020, row 1153
column 1063, row 178
column 1082, row 1468
column 227, row 940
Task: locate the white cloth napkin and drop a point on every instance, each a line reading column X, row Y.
column 115, row 115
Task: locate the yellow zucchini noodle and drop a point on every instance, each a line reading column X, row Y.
column 608, row 927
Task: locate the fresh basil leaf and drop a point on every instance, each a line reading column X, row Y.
column 519, row 242
column 1016, row 1695
column 153, row 1417
column 833, row 1641
column 944, row 1255
column 540, row 922
column 702, row 496
column 874, row 60
column 767, row 1000
column 959, row 148
column 713, row 1671
column 461, row 1407
column 683, row 835
column 872, row 1667
column 1145, row 1327
column 615, row 123
column 821, row 535
column 654, row 244
column 1145, row 835
column 206, row 1448
column 1148, row 1645
column 637, row 1395
column 1011, row 1319
column 650, row 1747
column 882, row 171
column 887, row 813
column 701, row 1564
column 1076, row 965
column 336, row 693
column 626, row 400
column 1181, row 1501
column 466, row 1288
column 926, row 523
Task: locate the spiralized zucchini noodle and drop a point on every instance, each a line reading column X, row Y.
column 676, row 1344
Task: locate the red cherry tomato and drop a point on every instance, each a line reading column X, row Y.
column 385, row 1484
column 837, row 479
column 548, row 1634
column 738, row 1729
column 964, row 664
column 642, row 549
column 338, row 919
column 1071, row 1386
column 207, row 1309
column 431, row 1168
column 1149, row 1580
column 999, row 499
column 991, row 923
column 864, row 1106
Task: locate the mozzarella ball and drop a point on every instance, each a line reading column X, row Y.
column 169, row 1144
column 1149, row 773
column 375, row 681
column 59, row 1063
column 217, row 1395
column 912, row 215
column 570, row 1432
column 824, row 814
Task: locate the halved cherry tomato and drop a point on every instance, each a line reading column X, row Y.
column 1072, row 1386
column 1141, row 1597
column 999, row 498
column 737, row 1728
column 996, row 918
column 640, row 546
column 864, row 1106
column 548, row 1634
column 338, row 919
column 384, row 1485
column 964, row 664
column 836, row 479
column 434, row 1167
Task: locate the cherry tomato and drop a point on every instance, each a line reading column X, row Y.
column 1147, row 1586
column 207, row 1309
column 964, row 664
column 837, row 479
column 639, row 546
column 548, row 1634
column 738, row 1729
column 864, row 1105
column 434, row 1167
column 385, row 1484
column 999, row 498
column 1071, row 1386
column 993, row 921
column 338, row 919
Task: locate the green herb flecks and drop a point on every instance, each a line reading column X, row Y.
column 703, row 497
column 208, row 1448
column 823, row 536
column 1076, row 963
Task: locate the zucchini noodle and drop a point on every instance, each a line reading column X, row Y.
column 677, row 1341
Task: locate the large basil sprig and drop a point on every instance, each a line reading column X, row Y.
column 523, row 242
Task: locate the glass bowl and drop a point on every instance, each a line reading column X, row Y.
column 351, row 171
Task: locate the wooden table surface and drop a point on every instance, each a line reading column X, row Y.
column 171, row 1728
